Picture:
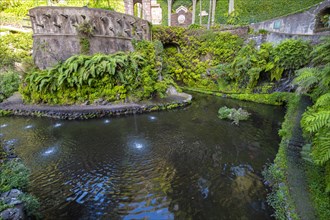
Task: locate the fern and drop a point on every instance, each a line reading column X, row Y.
column 312, row 121
column 306, row 79
column 323, row 101
column 321, row 149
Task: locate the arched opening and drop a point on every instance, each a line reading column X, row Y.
column 172, row 46
column 138, row 8
column 322, row 22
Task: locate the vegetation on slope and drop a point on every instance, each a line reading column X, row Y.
column 246, row 11
column 15, row 57
column 220, row 62
column 316, row 125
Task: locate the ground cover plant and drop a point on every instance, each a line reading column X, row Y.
column 122, row 76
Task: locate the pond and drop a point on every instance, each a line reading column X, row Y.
column 183, row 163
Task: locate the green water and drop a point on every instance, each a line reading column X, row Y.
column 182, row 164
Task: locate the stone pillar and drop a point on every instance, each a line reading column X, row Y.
column 129, row 7
column 169, row 11
column 231, row 6
column 146, row 7
column 194, row 11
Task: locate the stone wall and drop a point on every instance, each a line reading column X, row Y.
column 304, row 23
column 56, row 37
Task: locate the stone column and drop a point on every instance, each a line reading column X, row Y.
column 169, row 11
column 146, row 7
column 231, row 6
column 194, row 11
column 129, row 7
column 214, row 5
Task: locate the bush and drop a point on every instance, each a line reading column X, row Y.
column 9, row 83
column 233, row 114
column 15, row 48
column 13, row 175
column 293, row 54
column 82, row 78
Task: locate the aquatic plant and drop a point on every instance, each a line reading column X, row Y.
column 233, row 114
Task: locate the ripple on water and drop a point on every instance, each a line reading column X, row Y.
column 143, row 167
column 3, row 125
column 28, row 126
column 57, row 125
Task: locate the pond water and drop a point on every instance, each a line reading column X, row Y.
column 180, row 164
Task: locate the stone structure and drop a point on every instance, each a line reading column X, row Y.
column 182, row 17
column 156, row 13
column 56, row 37
column 303, row 23
column 151, row 10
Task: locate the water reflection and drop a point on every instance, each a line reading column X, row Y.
column 3, row 125
column 50, row 151
column 57, row 125
column 28, row 126
column 186, row 165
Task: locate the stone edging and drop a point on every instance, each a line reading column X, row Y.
column 91, row 111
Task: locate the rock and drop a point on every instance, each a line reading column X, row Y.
column 98, row 101
column 11, row 197
column 12, row 214
column 86, row 103
column 171, row 91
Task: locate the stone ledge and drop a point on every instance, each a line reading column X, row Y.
column 15, row 106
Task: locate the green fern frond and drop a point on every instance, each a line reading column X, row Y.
column 323, row 101
column 312, row 122
column 321, row 148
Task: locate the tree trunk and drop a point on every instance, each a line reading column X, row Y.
column 194, row 11
column 209, row 17
column 214, row 4
column 169, row 11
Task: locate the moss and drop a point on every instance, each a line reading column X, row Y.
column 5, row 113
column 276, row 173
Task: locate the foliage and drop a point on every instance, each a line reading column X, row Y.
column 13, row 175
column 15, row 48
column 268, row 63
column 233, row 114
column 188, row 54
column 250, row 11
column 276, row 173
column 316, row 182
column 293, row 54
column 85, row 32
column 9, row 83
column 276, row 98
column 87, row 78
column 31, row 205
column 316, row 120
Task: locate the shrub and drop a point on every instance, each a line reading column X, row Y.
column 233, row 114
column 13, row 175
column 9, row 83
